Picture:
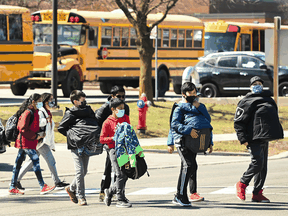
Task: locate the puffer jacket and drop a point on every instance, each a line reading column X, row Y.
column 27, row 137
column 256, row 119
column 49, row 130
column 187, row 117
column 80, row 127
column 105, row 111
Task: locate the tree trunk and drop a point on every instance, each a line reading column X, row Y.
column 146, row 51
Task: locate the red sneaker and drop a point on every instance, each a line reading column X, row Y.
column 15, row 191
column 195, row 197
column 240, row 190
column 47, row 189
column 260, row 197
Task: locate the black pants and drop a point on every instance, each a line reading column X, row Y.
column 187, row 172
column 258, row 166
column 106, row 178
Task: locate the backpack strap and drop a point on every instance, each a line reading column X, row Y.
column 172, row 110
column 31, row 116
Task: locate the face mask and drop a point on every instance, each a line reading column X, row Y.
column 51, row 104
column 197, row 99
column 120, row 113
column 39, row 105
column 83, row 104
column 257, row 88
column 190, row 99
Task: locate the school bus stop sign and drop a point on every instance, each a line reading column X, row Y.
column 103, row 53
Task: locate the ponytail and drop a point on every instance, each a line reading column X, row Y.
column 26, row 103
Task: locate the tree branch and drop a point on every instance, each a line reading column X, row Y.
column 126, row 11
column 159, row 4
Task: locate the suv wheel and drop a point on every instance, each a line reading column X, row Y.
column 283, row 89
column 209, row 90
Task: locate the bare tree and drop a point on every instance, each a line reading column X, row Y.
column 138, row 18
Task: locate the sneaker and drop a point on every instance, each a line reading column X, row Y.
column 180, row 200
column 260, row 197
column 61, row 185
column 114, row 198
column 240, row 191
column 72, row 195
column 101, row 197
column 82, row 202
column 124, row 203
column 15, row 191
column 19, row 186
column 47, row 189
column 195, row 197
column 107, row 199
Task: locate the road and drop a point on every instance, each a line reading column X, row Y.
column 152, row 195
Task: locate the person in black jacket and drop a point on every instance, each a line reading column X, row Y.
column 80, row 127
column 101, row 115
column 256, row 123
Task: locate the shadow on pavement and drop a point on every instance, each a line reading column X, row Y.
column 4, row 167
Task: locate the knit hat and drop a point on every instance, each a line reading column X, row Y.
column 254, row 79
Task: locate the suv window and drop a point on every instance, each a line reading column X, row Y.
column 211, row 62
column 227, row 62
column 250, row 62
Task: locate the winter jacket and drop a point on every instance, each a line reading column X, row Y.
column 104, row 111
column 80, row 127
column 126, row 144
column 27, row 137
column 49, row 130
column 187, row 117
column 3, row 140
column 256, row 118
column 108, row 129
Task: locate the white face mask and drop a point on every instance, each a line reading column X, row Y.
column 120, row 113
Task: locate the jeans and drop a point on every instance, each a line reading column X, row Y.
column 46, row 152
column 19, row 160
column 81, row 168
column 258, row 166
column 118, row 187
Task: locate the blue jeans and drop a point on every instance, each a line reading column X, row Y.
column 19, row 160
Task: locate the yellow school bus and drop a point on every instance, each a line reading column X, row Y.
column 16, row 47
column 235, row 36
column 101, row 46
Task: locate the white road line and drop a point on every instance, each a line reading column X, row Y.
column 154, row 191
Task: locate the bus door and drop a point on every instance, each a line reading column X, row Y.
column 250, row 67
column 92, row 54
column 245, row 42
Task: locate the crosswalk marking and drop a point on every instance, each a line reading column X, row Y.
column 154, row 191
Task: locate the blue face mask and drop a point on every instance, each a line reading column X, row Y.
column 39, row 105
column 51, row 104
column 257, row 88
column 120, row 113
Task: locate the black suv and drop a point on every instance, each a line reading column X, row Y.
column 229, row 73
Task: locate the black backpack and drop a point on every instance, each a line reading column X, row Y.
column 136, row 172
column 11, row 131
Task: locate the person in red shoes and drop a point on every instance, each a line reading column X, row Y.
column 118, row 116
column 28, row 127
column 256, row 122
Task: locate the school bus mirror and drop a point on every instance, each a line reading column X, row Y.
column 91, row 34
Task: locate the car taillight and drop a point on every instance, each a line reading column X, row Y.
column 76, row 19
column 72, row 19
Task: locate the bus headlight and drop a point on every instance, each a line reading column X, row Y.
column 59, row 67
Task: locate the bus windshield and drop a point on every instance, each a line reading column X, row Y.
column 215, row 42
column 67, row 34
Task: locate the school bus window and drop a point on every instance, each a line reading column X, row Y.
column 82, row 36
column 173, row 40
column 197, row 37
column 246, row 42
column 189, row 34
column 166, row 37
column 133, row 37
column 15, row 27
column 95, row 41
column 181, row 38
column 116, row 36
column 3, row 28
column 106, row 36
column 125, row 37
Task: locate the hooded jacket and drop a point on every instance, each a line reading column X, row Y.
column 108, row 129
column 49, row 128
column 104, row 111
column 256, row 118
column 80, row 127
column 27, row 137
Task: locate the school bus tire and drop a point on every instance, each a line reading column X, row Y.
column 177, row 88
column 19, row 89
column 72, row 82
column 163, row 82
column 105, row 87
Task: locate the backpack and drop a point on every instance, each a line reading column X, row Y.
column 200, row 144
column 42, row 129
column 136, row 172
column 11, row 131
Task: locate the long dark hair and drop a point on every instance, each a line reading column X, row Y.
column 26, row 103
column 45, row 98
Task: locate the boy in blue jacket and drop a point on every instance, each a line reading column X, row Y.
column 188, row 116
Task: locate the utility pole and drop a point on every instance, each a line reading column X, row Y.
column 277, row 24
column 54, row 81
